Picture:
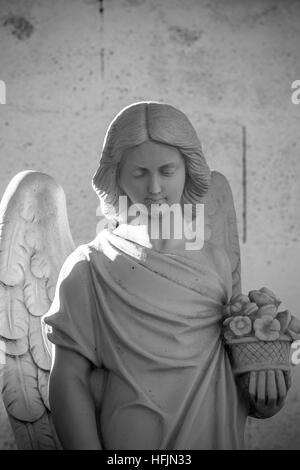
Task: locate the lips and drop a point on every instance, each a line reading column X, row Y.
column 155, row 201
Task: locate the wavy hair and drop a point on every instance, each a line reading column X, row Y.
column 149, row 121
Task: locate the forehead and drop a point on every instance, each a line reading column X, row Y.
column 151, row 154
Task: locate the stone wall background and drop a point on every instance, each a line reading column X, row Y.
column 71, row 65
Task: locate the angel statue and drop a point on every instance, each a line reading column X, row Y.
column 134, row 318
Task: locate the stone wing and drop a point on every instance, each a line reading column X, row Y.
column 221, row 224
column 35, row 240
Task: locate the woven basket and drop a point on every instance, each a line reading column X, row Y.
column 251, row 354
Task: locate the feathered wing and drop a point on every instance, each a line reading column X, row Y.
column 35, row 240
column 221, row 224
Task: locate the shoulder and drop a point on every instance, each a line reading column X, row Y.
column 76, row 265
column 83, row 255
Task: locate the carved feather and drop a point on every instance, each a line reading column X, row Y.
column 16, row 347
column 40, row 265
column 50, row 285
column 35, row 240
column 43, row 382
column 35, row 295
column 35, row 436
column 20, row 389
column 14, row 318
column 38, row 349
column 13, row 251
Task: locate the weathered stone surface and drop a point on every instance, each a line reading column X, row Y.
column 69, row 69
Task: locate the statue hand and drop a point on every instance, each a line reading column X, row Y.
column 267, row 392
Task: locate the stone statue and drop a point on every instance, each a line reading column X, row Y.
column 135, row 316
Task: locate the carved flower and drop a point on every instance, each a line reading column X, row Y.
column 227, row 321
column 249, row 309
column 241, row 305
column 284, row 319
column 240, row 325
column 242, row 298
column 264, row 296
column 237, row 302
column 226, row 310
column 228, row 335
column 264, row 310
column 267, row 328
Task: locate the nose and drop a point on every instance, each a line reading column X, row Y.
column 154, row 184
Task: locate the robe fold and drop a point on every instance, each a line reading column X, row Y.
column 153, row 321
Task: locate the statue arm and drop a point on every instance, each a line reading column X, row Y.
column 71, row 401
column 77, row 378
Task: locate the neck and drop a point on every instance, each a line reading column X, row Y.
column 165, row 233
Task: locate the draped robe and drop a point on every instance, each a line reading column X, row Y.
column 153, row 321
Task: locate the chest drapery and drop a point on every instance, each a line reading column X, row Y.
column 154, row 321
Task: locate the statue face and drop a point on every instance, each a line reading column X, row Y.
column 153, row 173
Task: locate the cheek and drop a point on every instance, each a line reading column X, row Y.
column 136, row 186
column 180, row 182
column 133, row 188
column 126, row 183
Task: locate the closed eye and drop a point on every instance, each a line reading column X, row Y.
column 138, row 173
column 168, row 171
